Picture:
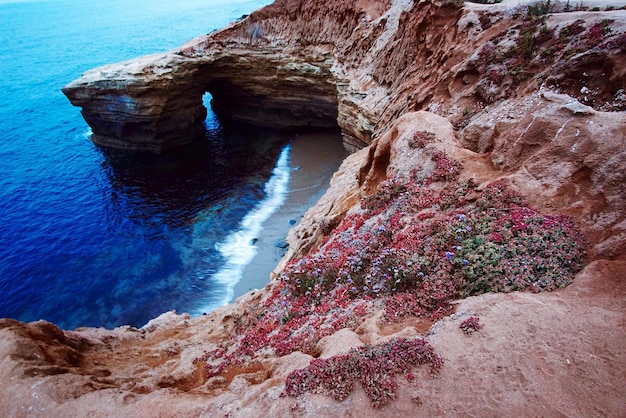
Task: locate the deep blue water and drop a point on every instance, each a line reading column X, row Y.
column 90, row 237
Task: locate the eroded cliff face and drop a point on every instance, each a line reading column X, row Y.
column 355, row 65
column 449, row 98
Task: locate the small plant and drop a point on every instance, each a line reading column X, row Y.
column 605, row 26
column 572, row 29
column 374, row 367
column 568, row 7
column 446, row 168
column 526, row 43
column 597, row 32
column 518, row 73
column 402, row 305
column 470, row 325
column 387, row 191
column 420, row 139
column 539, row 8
column 545, row 35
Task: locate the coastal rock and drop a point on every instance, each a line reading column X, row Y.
column 565, row 157
column 254, row 69
column 156, row 103
column 356, row 65
column 388, row 70
column 290, row 64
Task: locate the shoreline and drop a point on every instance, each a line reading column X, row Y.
column 315, row 156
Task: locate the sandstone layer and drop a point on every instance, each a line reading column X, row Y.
column 355, row 65
column 548, row 121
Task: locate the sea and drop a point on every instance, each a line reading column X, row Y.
column 94, row 237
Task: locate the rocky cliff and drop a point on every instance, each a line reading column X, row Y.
column 468, row 259
column 355, row 66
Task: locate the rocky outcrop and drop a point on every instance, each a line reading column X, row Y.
column 256, row 70
column 156, row 103
column 287, row 65
column 384, row 72
column 562, row 155
column 355, row 65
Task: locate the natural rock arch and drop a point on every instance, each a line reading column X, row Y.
column 155, row 103
column 285, row 65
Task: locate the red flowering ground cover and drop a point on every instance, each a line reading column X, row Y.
column 415, row 245
column 372, row 366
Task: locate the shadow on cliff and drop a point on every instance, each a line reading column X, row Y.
column 175, row 187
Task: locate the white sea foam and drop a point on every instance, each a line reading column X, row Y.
column 86, row 134
column 238, row 248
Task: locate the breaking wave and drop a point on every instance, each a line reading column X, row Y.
column 238, row 248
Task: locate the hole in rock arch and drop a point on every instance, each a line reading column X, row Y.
column 211, row 122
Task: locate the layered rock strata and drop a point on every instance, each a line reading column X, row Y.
column 286, row 65
column 156, row 103
column 551, row 131
column 356, row 66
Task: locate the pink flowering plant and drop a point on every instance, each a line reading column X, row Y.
column 281, row 324
column 470, row 325
column 421, row 139
column 374, row 367
column 496, row 243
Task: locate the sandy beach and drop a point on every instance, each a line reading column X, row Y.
column 315, row 156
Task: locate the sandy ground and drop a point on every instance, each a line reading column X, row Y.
column 558, row 353
column 315, row 156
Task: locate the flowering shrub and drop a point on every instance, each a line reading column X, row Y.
column 498, row 196
column 420, row 139
column 282, row 324
column 387, row 191
column 470, row 325
column 445, row 168
column 597, row 32
column 517, row 250
column 374, row 367
column 418, row 261
column 402, row 305
column 455, row 193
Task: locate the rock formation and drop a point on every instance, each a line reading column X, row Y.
column 336, row 68
column 511, row 94
column 354, row 66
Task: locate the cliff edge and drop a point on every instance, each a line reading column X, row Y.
column 468, row 259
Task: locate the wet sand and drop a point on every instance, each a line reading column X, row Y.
column 315, row 156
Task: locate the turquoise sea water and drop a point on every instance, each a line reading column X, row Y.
column 90, row 237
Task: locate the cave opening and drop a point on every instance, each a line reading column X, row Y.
column 211, row 122
column 269, row 101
